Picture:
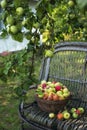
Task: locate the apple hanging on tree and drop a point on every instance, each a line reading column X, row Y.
column 14, row 29
column 3, row 4
column 19, row 11
column 10, row 20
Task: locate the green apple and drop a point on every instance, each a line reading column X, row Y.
column 65, row 90
column 39, row 88
column 52, row 85
column 66, row 94
column 73, row 110
column 10, row 20
column 13, row 29
column 61, row 97
column 8, row 29
column 66, row 115
column 65, row 111
column 71, row 3
column 43, row 81
column 19, row 11
column 58, row 84
column 49, row 90
column 60, row 93
column 81, row 109
column 51, row 115
column 3, row 3
column 48, row 82
column 40, row 96
column 74, row 115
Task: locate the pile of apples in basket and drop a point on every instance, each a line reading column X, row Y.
column 56, row 91
column 52, row 91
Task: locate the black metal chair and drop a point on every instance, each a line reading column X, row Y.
column 69, row 66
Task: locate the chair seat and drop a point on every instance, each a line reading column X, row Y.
column 40, row 120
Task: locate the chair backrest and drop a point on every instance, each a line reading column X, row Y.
column 69, row 66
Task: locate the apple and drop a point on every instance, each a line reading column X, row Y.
column 66, row 115
column 73, row 110
column 43, row 81
column 78, row 112
column 74, row 115
column 50, row 96
column 48, row 82
column 44, row 85
column 3, row 3
column 49, row 90
column 71, row 3
column 66, row 94
column 65, row 111
column 8, row 29
column 55, row 97
column 59, row 93
column 40, row 95
column 58, row 88
column 65, row 90
column 19, row 10
column 13, row 29
column 54, row 82
column 61, row 97
column 39, row 88
column 51, row 115
column 10, row 20
column 81, row 109
column 58, row 84
column 51, row 85
column 60, row 116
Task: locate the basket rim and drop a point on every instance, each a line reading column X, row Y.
column 52, row 101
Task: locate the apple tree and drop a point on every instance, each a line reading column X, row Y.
column 53, row 21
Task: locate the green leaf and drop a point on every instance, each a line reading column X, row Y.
column 7, row 67
column 3, row 34
column 18, row 37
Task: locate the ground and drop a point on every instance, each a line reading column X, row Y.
column 9, row 118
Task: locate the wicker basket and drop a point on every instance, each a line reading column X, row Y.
column 51, row 106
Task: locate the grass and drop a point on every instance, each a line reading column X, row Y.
column 9, row 119
column 9, row 116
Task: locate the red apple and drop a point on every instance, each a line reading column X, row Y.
column 58, row 88
column 60, row 116
column 78, row 112
column 44, row 85
column 81, row 109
